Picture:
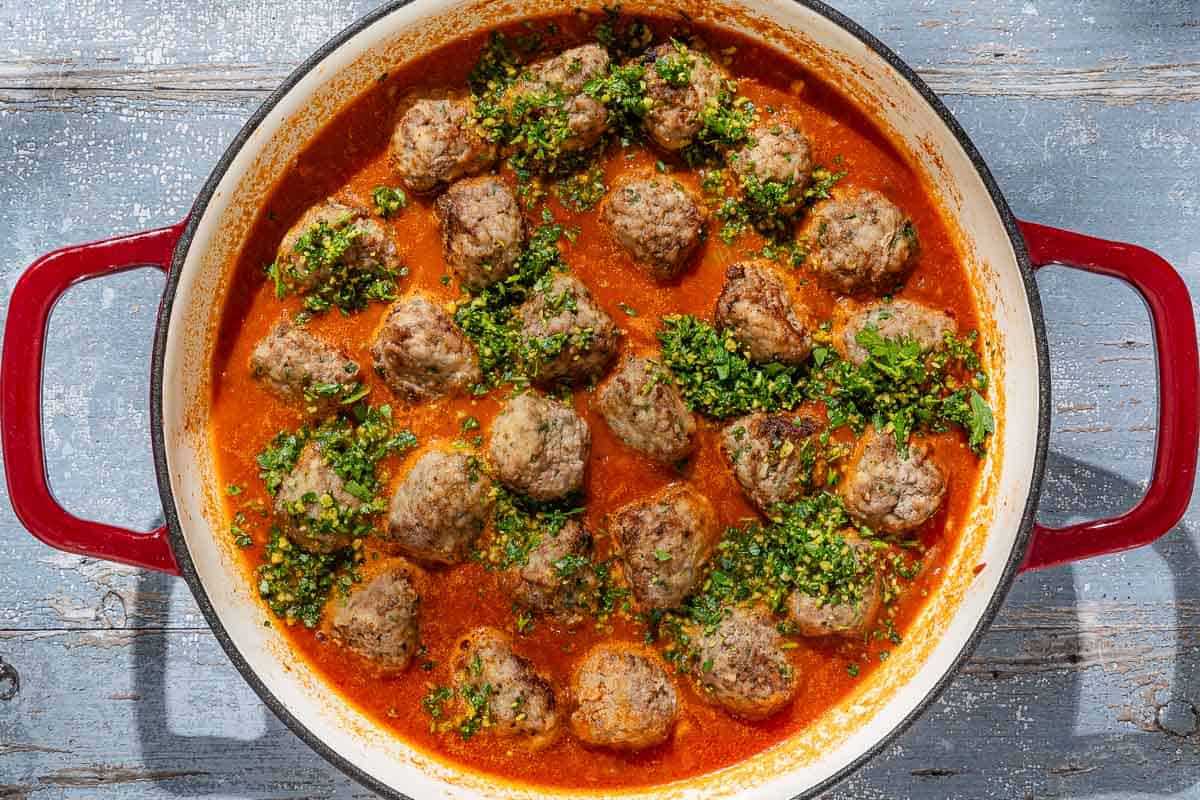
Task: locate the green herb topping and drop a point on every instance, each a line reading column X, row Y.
column 332, row 264
column 388, row 201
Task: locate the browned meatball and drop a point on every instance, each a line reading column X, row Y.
column 558, row 575
column 665, row 542
column 853, row 619
column 570, row 339
column 557, row 83
column 778, row 153
column 311, row 502
column 623, row 698
column 539, row 447
column 645, row 410
column 680, row 83
column 742, row 666
column 482, row 230
column 657, row 222
column 435, row 142
column 369, row 249
column 440, row 508
column 864, row 245
column 421, row 354
column 773, row 456
column 757, row 309
column 889, row 491
column 501, row 691
column 381, row 618
column 899, row 319
column 302, row 370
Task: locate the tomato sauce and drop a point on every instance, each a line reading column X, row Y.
column 347, row 161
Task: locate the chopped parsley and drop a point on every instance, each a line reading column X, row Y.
column 518, row 525
column 388, row 201
column 295, row 583
column 583, row 190
column 352, row 449
column 620, row 37
column 717, row 378
column 489, row 317
column 623, row 92
column 333, row 267
column 724, row 125
column 676, row 68
column 904, row 388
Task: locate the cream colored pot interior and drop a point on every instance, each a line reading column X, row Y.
column 974, row 572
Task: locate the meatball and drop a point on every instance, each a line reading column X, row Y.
column 899, row 319
column 889, row 491
column 773, row 456
column 777, row 154
column 503, row 693
column 482, row 230
column 539, row 447
column 756, row 308
column 440, row 508
column 645, row 410
column 380, row 619
column 863, row 245
column 657, row 222
column 850, row 619
column 680, row 84
column 435, row 142
column 301, row 369
column 665, row 543
column 743, row 667
column 421, row 354
column 623, row 698
column 563, row 76
column 313, row 504
column 557, row 576
column 569, row 337
column 369, row 246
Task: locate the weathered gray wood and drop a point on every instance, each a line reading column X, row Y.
column 111, row 113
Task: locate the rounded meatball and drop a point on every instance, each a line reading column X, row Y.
column 643, row 407
column 664, row 543
column 657, row 222
column 421, row 354
column 778, row 154
column 557, row 83
column 774, row 457
column 568, row 337
column 503, row 693
column 313, row 505
column 440, row 508
column 435, row 142
column 743, row 666
column 539, row 447
column 680, row 84
column 889, row 491
column 863, row 245
column 482, row 230
column 899, row 319
column 380, row 619
column 852, row 619
column 756, row 308
column 369, row 248
column 302, row 370
column 623, row 698
column 557, row 576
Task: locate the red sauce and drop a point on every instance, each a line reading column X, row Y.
column 348, row 160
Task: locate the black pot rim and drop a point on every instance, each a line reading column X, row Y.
column 187, row 567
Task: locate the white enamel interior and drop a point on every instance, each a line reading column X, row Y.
column 915, row 668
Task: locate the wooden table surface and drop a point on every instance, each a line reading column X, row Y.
column 112, row 113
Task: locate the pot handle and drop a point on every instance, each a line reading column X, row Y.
column 1166, row 295
column 33, row 297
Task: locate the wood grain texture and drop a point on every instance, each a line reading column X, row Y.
column 111, row 114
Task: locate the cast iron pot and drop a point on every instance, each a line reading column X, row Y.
column 1001, row 538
